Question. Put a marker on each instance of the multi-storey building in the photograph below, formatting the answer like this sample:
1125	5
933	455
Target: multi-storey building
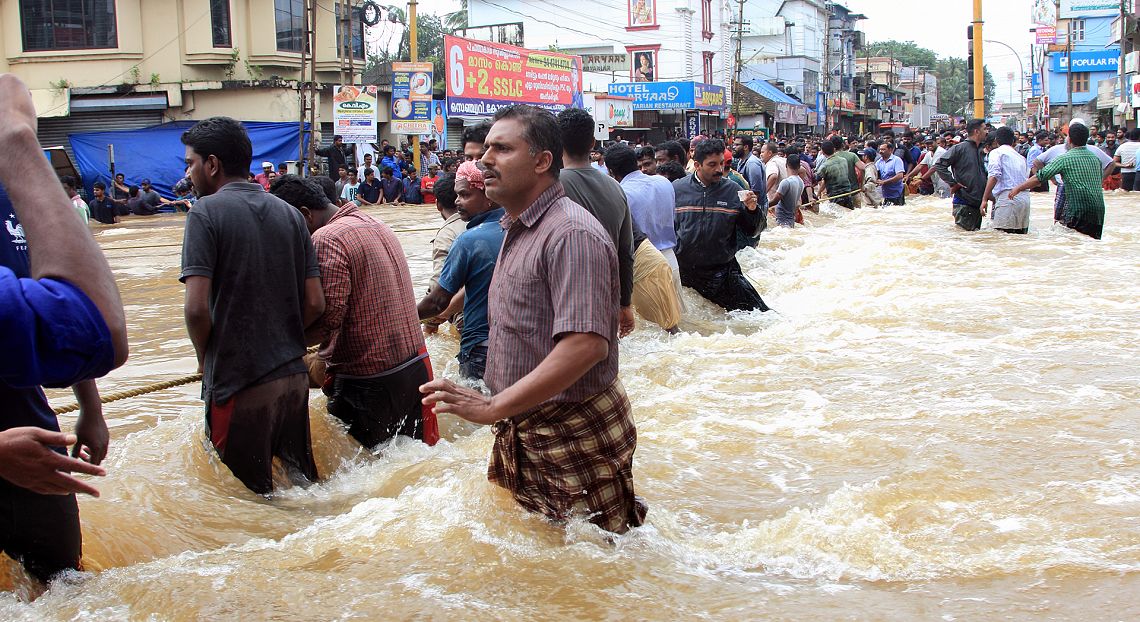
673	57
125	64
1082	57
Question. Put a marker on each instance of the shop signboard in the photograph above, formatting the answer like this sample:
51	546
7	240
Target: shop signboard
1101	60
411	98
354	113
483	76
671	95
692	125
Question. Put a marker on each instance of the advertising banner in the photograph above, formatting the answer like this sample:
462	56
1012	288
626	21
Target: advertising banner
411	98
1035	85
759	135
615	112
1044	13
1106	60
483	76
1046	35
605	63
671	95
791	113
354	113
1090	8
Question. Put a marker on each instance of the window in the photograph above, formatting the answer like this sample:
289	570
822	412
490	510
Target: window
1081	82
68	24
290	20
220	23
707	57
356	27
706	19
1078	29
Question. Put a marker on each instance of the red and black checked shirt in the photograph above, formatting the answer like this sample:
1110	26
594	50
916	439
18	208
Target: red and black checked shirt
557	273
370	323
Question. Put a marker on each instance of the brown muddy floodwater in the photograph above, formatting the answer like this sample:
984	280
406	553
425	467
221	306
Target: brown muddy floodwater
934	425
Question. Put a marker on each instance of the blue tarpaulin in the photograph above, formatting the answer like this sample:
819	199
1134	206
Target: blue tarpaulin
157	153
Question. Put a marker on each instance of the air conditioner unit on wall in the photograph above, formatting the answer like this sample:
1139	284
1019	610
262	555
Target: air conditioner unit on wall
790	90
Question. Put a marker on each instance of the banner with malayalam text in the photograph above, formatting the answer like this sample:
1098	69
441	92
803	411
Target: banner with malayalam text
354	113
483	76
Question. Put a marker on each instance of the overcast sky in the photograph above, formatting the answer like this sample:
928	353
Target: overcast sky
939	25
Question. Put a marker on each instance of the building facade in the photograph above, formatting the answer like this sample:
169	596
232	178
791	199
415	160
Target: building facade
125	64
1083	56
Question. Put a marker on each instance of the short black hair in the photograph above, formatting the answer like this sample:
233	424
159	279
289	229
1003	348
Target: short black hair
746	140
225	139
476	133
98	186
1078	134
793	161
368	172
1134	134
828	148
840	144
1003	135
646	152
671	170
706	148
675	150
340	166
300	192
352	170
540	130
387	147
684	142
621	160
444	190
327	185
577	127
133	191
368	155
388	169
973	124
337	137
69	181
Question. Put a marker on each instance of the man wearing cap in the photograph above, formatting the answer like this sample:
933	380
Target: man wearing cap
469	265
263	177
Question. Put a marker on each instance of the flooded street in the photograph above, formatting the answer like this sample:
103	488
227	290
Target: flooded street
933	425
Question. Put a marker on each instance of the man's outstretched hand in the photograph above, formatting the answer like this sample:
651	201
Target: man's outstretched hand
27	460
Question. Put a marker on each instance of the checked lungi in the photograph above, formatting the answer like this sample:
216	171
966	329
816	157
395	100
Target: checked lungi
567	460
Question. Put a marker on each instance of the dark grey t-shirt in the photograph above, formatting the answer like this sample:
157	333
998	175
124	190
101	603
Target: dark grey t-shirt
256	250
603	197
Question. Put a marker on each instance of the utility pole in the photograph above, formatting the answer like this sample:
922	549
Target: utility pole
1123	30
413	49
979	64
307	88
739	64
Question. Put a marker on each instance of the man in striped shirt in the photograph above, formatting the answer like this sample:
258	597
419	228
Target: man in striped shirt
564	433
1082	172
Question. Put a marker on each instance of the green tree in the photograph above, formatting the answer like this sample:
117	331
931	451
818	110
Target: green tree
458	19
429	44
953	88
907	52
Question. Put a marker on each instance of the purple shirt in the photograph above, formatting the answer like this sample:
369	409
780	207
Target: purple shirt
557	273
887	169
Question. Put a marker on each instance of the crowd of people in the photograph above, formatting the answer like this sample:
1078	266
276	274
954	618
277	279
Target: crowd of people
547	248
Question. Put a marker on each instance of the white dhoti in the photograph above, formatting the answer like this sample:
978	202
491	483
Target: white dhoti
1010	214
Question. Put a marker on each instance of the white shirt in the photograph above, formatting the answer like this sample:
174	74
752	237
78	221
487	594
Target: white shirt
1127	153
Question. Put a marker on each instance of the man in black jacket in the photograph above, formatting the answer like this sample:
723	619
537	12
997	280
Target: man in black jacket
335	155
708	214
964	168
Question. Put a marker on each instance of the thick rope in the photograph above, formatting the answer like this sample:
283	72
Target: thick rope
107	398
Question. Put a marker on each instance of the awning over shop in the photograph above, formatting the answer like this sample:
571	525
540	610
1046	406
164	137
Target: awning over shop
761	96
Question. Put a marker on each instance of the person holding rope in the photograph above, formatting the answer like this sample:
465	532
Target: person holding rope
369	334
63	323
252	288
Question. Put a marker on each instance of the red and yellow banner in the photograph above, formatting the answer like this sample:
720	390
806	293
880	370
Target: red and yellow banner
483	76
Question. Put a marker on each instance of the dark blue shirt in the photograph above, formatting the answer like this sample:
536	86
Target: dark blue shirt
103	210
470	263
392	188
52	334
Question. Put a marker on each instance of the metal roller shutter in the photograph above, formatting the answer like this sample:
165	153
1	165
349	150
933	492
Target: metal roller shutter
455	135
53	131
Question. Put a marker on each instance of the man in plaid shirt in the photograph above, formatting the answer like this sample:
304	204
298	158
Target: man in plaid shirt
369	333
1082	172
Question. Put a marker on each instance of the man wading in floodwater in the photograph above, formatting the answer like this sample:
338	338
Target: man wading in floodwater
564	434
252	286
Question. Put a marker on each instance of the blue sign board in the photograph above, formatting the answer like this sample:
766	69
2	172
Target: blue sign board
1036	85
820	109
1104	60
671	95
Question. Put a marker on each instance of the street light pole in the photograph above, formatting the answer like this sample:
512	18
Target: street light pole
413	49
979	64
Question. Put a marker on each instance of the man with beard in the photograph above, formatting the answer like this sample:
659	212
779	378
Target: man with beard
564	432
708	215
750	166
